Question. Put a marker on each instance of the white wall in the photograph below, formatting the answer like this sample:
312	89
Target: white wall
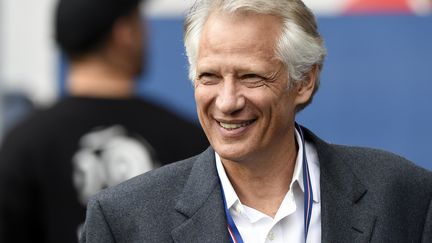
27	54
175	8
1	105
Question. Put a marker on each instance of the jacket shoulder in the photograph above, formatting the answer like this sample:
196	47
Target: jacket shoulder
387	175
376	168
161	182
379	162
141	205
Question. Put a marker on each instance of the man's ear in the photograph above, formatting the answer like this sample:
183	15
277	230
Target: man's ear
122	32
305	89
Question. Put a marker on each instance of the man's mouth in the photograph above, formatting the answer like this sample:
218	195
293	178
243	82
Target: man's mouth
232	126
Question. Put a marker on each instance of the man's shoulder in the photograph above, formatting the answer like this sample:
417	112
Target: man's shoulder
154	187
364	159
38	123
380	167
146	203
374	167
377	159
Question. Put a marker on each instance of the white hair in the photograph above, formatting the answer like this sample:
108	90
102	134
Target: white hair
300	46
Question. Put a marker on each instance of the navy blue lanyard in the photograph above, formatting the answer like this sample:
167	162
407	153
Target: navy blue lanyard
308	199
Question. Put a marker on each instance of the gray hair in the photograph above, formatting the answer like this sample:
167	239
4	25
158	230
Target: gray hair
300	46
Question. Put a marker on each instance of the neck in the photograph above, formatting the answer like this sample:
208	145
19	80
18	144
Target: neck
263	185
92	78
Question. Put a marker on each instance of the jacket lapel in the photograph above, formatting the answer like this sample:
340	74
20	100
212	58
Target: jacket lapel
345	216
201	204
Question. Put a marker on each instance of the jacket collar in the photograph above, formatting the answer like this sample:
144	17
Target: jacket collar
201	204
344	214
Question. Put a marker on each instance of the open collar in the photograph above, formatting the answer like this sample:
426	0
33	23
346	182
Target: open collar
344	218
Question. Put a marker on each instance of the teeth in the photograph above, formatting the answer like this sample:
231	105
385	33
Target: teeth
234	126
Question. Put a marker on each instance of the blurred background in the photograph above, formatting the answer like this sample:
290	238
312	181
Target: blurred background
376	87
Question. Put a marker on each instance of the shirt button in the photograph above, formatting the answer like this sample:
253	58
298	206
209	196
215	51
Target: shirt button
271	236
238	208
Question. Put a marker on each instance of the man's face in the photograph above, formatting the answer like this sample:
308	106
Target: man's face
243	102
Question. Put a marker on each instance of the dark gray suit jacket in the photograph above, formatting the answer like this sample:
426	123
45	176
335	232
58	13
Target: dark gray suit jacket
366	196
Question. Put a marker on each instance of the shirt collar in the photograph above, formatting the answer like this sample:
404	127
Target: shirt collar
314	170
313	164
298	168
230	194
311	154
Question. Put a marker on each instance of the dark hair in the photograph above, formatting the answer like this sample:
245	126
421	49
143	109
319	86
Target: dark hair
82	26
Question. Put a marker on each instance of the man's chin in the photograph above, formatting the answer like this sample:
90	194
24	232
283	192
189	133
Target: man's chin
230	153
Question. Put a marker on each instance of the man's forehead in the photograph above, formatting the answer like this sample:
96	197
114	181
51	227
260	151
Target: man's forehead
239	64
260	21
236	32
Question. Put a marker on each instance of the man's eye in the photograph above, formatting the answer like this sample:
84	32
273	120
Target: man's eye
208	78
253	80
252	77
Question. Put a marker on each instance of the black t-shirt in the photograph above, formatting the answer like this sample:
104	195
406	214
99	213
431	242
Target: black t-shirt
53	161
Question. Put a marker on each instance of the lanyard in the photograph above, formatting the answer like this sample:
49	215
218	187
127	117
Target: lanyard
308	199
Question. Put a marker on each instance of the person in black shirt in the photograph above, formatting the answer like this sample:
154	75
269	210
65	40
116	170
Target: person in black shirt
95	137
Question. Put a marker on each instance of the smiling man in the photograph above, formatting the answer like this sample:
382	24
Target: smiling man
254	65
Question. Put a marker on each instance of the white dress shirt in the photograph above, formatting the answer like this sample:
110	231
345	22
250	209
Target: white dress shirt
288	223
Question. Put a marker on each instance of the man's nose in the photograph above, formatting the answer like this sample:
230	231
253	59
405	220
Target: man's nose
230	98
